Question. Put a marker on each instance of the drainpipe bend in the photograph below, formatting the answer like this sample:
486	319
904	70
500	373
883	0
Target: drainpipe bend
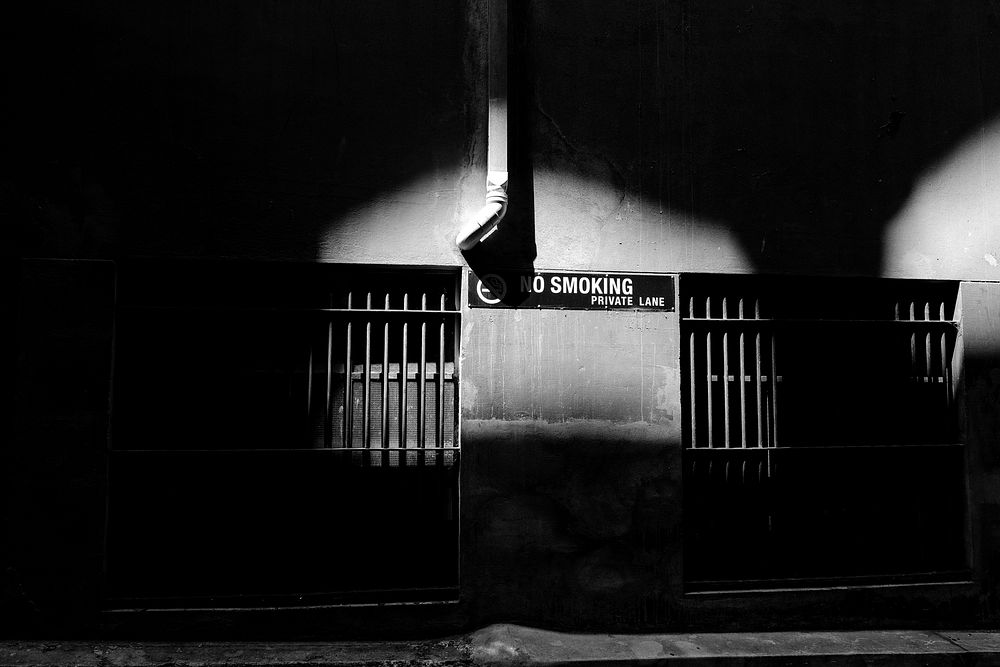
484	222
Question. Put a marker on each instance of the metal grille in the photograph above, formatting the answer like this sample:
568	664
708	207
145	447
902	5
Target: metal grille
303	361
393	418
282	433
811	409
736	374
732	362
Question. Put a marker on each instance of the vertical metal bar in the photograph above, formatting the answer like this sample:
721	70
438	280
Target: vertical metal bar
742	385
366	408
927	398
348	384
760	407
708	384
914	377
694	385
928	362
422	383
439	412
691	307
403	380
725	375
708	376
945	369
385	385
309	382
328	414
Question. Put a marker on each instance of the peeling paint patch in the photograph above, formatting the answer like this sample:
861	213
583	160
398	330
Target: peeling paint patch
990	259
469	396
665	398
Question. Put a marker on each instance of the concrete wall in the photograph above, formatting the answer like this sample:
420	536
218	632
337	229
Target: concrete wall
571	487
340	131
53	475
847	139
650	135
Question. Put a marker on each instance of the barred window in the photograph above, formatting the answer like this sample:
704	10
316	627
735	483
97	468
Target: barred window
821	433
283	432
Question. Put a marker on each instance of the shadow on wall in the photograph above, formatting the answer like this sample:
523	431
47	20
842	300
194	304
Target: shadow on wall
800	130
235	128
355	131
571	524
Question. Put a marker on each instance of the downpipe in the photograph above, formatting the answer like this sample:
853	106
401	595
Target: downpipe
486	220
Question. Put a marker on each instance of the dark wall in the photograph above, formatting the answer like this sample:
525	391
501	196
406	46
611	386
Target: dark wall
53	477
849	138
650	135
734	136
236	129
981	371
573	486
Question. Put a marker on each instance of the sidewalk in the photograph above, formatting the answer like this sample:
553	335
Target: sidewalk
500	645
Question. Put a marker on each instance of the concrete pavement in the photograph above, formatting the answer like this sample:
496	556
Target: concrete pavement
503	644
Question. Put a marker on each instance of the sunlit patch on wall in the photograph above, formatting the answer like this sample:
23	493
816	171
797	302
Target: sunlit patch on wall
950	227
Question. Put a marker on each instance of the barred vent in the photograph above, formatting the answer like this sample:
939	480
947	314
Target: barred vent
410	418
821	433
283	434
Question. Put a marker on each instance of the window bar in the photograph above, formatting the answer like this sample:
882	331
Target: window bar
742	385
422	384
366	409
710	431
328	418
928	362
348	384
694	386
403	380
760	406
439	412
725	375
914	377
945	369
708	384
385	387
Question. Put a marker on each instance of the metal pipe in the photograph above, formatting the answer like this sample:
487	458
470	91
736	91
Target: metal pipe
484	222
